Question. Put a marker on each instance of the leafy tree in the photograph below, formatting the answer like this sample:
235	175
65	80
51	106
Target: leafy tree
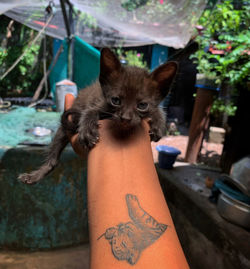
23	79
224	48
132	58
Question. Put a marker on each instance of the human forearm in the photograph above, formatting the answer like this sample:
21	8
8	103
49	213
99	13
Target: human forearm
123	187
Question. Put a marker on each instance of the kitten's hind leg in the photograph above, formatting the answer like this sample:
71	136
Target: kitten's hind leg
150	229
141	218
57	145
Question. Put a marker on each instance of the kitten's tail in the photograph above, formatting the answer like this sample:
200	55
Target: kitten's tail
56	147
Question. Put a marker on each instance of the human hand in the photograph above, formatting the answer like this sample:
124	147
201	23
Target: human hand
107	132
68	102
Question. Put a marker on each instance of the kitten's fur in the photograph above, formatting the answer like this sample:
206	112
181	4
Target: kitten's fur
121	94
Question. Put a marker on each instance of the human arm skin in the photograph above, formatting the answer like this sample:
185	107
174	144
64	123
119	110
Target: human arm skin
122	173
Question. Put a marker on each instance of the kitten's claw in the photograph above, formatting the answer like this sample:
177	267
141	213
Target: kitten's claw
28	178
155	136
89	139
96	140
132	200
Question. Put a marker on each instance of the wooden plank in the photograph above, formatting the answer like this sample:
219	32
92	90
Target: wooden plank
199	123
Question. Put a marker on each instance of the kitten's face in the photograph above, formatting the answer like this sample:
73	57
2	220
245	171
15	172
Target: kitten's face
131	92
125	241
130	96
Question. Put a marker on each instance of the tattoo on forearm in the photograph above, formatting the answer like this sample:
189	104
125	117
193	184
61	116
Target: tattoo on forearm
128	239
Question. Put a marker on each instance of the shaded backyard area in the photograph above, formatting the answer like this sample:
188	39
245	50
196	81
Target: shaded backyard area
207	239
202	231
45	226
209	155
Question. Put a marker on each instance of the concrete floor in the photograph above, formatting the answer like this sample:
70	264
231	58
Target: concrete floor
69	258
208	240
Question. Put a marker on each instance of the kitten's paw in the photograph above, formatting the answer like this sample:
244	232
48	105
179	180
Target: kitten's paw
28	178
156	132
89	138
155	135
132	200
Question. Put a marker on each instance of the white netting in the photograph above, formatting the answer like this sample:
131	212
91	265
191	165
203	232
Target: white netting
116	22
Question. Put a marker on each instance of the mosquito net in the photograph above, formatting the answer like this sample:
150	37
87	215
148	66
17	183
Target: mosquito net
114	22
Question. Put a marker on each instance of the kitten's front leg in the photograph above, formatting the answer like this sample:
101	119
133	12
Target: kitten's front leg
88	128
157	125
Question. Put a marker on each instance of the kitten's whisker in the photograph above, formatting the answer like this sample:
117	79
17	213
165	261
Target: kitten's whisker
100	236
106	112
114	116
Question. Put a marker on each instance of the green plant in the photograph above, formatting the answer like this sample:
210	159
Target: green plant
224	48
220	106
226	30
135	59
21	80
132	58
84	19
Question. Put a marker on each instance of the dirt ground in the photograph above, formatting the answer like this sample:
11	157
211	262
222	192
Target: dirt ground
210	152
66	258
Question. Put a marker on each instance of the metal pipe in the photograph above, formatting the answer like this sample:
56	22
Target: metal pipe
66	21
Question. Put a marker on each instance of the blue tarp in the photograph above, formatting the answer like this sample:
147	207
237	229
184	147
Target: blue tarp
86	64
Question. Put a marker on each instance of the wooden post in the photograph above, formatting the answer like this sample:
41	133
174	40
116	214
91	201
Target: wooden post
199	123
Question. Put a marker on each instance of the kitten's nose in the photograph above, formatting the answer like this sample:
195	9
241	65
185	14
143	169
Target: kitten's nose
126	119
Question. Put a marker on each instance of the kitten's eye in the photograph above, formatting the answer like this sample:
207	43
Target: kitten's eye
142	106
115	101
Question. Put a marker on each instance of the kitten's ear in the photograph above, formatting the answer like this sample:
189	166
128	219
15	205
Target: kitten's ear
164	76
109	65
110	233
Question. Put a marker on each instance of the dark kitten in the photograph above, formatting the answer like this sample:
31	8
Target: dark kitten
126	95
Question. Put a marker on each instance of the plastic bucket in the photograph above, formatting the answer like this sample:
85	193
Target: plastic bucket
167	156
62	88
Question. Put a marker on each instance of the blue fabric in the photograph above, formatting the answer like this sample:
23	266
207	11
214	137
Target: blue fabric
86	63
60	70
207	87
159	56
14	126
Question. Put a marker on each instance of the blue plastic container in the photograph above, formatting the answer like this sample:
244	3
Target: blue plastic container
167	156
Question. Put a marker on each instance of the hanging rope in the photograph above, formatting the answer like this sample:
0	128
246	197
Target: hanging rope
44	73
45	77
28	47
40	86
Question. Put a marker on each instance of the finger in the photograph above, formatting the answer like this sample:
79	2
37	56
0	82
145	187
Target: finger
77	147
68	101
146	123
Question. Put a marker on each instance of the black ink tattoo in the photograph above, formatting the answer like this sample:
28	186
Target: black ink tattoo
128	239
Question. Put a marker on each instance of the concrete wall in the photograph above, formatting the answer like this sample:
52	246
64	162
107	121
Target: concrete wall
53	213
50	214
207	239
